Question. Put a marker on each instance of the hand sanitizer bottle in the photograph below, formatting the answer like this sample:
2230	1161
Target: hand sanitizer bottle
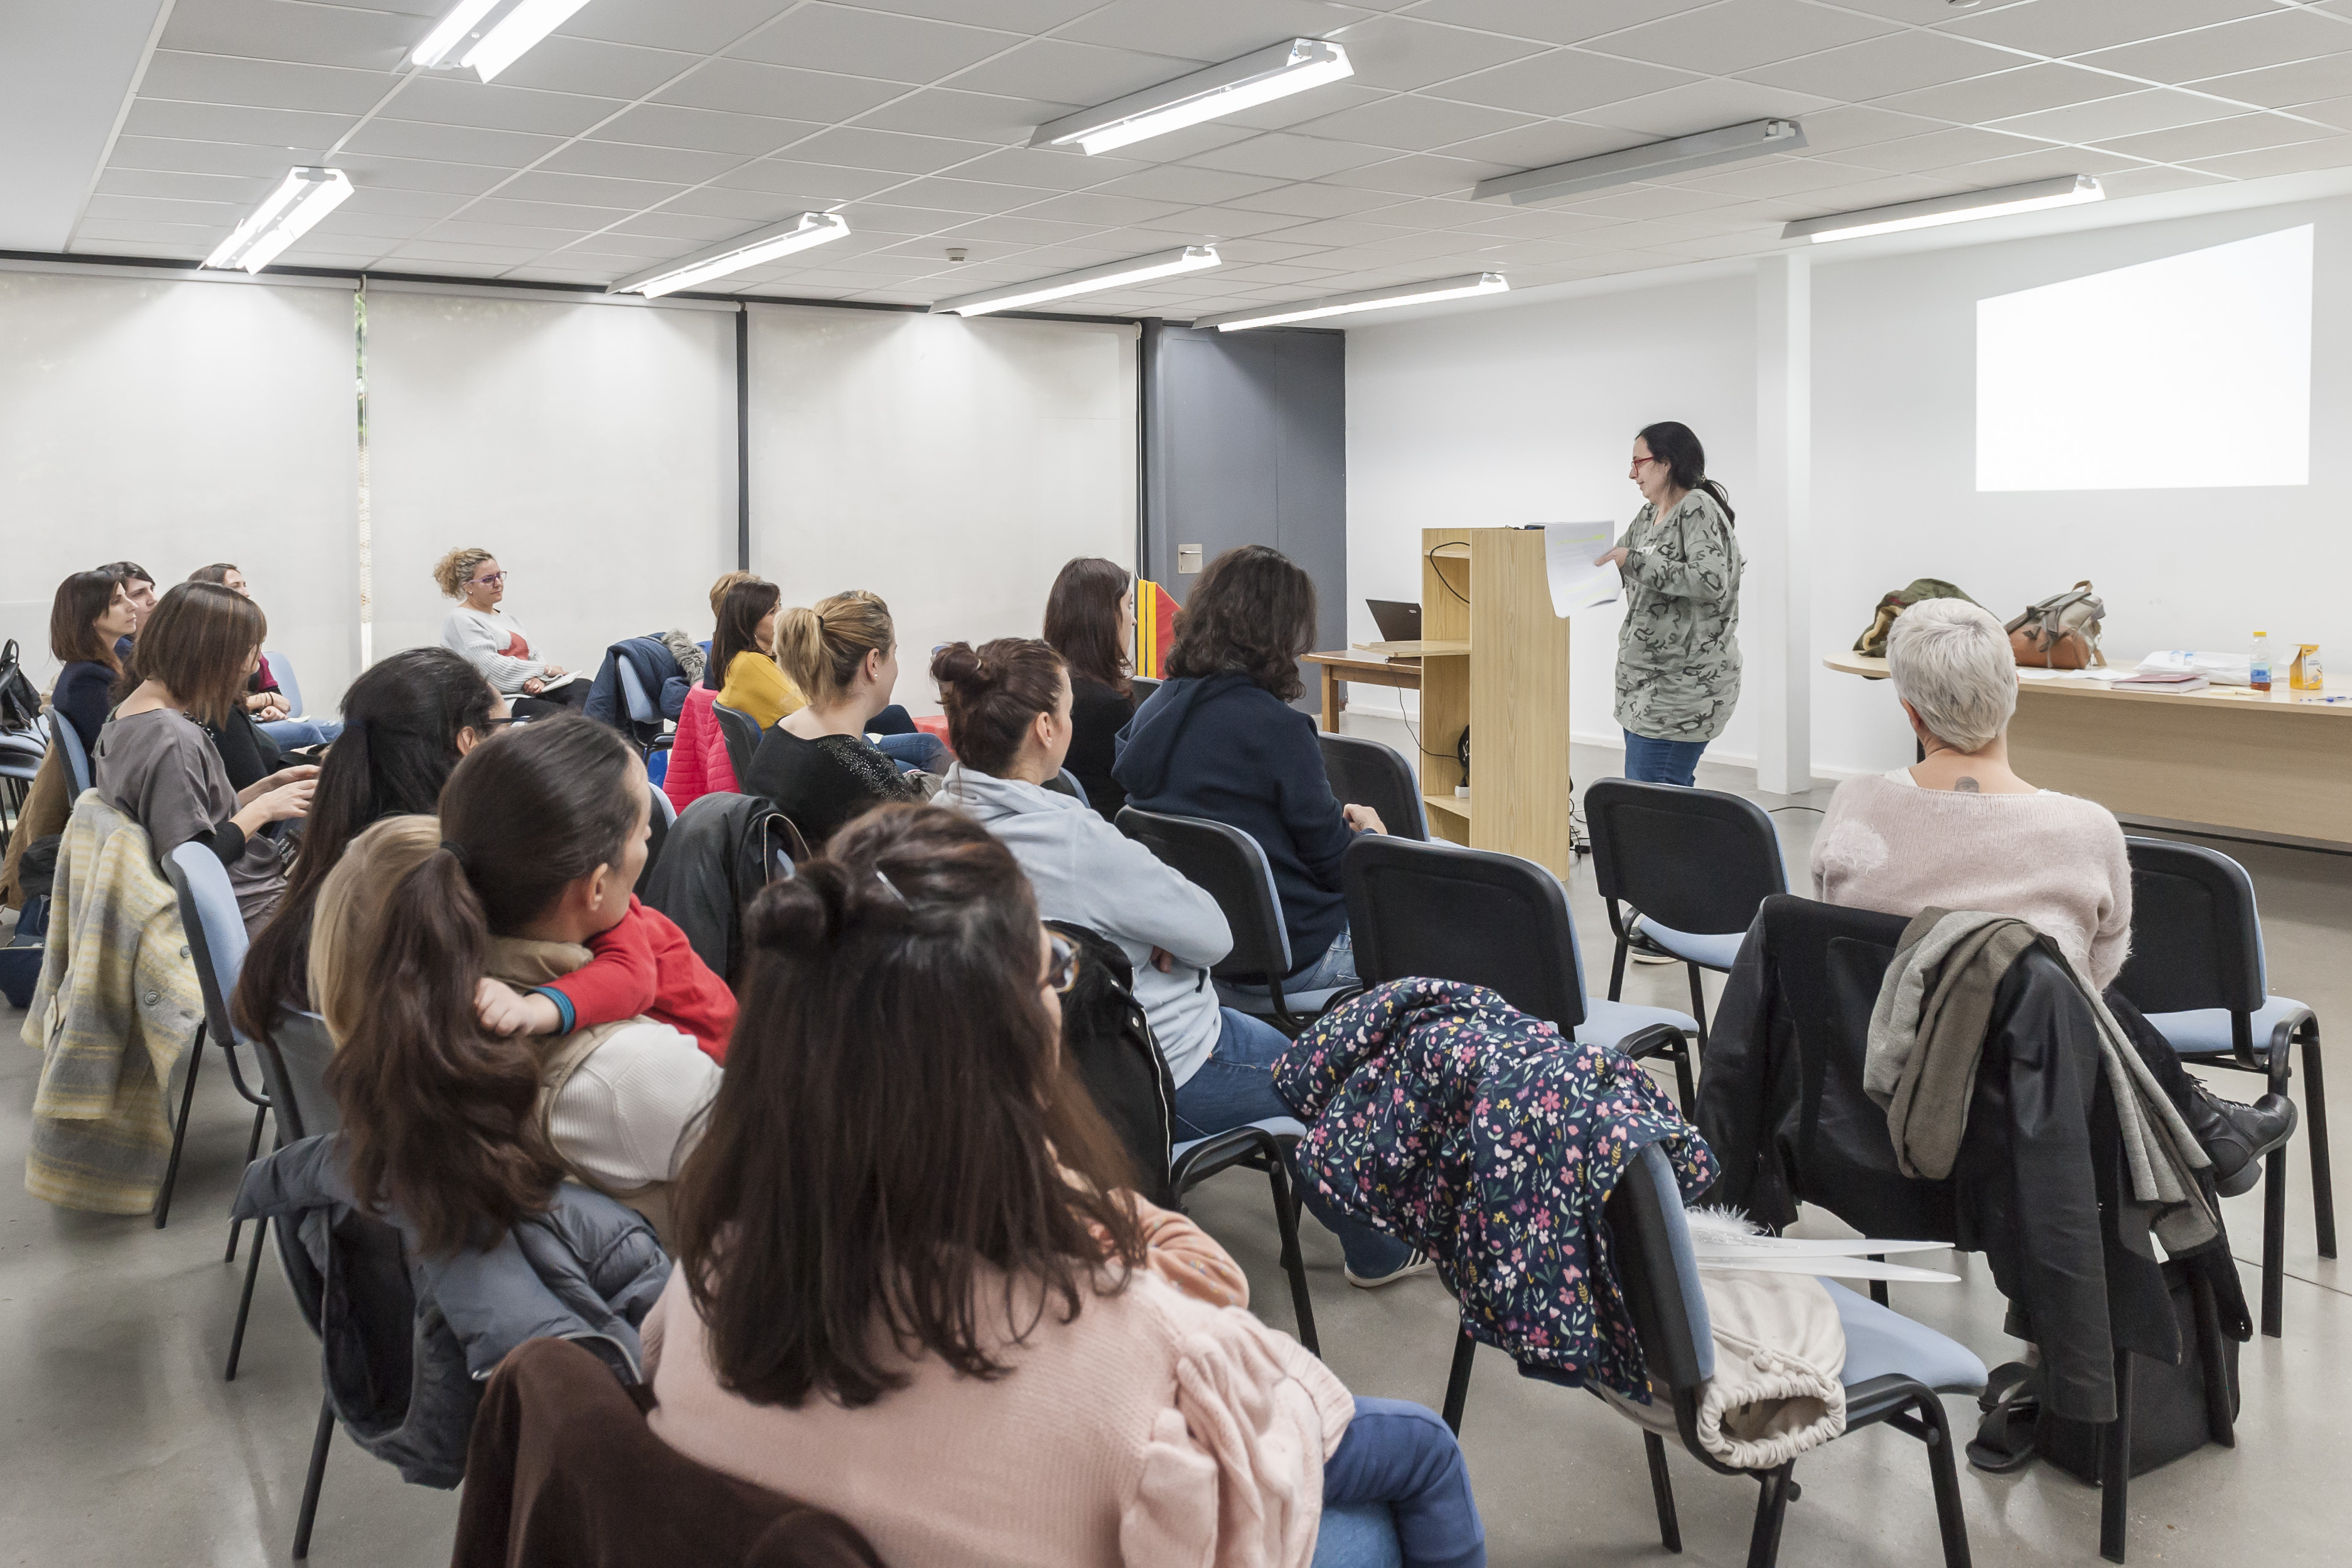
2259	673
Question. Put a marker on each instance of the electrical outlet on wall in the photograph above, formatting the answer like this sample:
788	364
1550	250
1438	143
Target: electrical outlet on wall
1188	560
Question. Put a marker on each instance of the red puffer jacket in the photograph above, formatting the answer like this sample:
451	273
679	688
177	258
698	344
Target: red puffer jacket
698	764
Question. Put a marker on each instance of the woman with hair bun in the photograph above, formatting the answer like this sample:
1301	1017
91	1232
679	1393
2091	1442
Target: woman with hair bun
943	1315
817	764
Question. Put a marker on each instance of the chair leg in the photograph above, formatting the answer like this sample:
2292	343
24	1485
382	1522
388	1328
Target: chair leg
1772	1509
252	1152
180	1129
1617	971
1698	1003
2314	1133
1951	1519
1662	1492
1878	1287
2274	1242
244	1301
2115	1467
1457	1379
311	1482
1294	1262
1684	1093
2219	1419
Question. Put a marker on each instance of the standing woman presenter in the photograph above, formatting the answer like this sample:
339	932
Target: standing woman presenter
1678	650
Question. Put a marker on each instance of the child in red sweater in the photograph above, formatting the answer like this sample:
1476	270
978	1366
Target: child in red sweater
642	967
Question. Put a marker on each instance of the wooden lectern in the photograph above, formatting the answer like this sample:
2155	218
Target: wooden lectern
1495	659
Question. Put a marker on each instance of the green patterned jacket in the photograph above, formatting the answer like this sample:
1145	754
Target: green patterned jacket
1678	650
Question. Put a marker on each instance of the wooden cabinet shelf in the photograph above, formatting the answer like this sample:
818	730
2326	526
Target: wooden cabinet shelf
1452	804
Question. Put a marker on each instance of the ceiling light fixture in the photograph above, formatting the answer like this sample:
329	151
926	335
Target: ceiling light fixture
1651	161
1092	280
734	255
1259	77
285	215
499	46
1467	284
2065	191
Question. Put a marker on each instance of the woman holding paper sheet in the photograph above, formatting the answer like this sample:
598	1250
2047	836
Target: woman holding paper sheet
1678	649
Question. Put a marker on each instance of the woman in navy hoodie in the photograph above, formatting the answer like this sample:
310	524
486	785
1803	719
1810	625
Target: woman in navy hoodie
1220	740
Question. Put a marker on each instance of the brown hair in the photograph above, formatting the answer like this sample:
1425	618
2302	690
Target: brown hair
130	571
1252	613
455	570
400	722
740	613
992	694
199	644
821	648
440	1119
957	1169
728	580
73	619
1082	621
216	573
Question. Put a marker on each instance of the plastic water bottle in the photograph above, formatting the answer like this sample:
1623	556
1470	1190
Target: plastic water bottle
2258	675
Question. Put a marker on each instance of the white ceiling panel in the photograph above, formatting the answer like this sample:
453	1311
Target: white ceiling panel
2249	44
1402	53
1552	21
2241	133
1278	152
261	83
703	130
677	165
748	86
292	130
450	144
1565	81
705	27
597	70
975	116
1741	35
1892	62
496	106
2060	27
2280	86
371	39
2156	108
826	37
1067	72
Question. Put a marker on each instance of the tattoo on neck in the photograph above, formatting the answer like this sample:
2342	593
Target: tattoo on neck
1966	786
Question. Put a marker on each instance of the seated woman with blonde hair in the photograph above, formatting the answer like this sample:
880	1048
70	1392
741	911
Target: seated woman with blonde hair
1960	830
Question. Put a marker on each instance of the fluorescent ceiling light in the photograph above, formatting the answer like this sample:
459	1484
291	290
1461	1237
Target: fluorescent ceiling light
451	32
499	46
734	255
1093	280
2065	191
1468	283
1651	161
1255	78
285	215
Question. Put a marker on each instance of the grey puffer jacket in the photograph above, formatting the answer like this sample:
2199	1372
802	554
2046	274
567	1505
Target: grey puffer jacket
1678	649
408	1340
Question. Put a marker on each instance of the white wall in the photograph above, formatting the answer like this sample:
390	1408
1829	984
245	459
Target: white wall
175	424
950	466
1529	415
591	448
1523	413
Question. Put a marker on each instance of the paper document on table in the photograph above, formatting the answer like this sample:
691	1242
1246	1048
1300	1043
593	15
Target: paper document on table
1577	583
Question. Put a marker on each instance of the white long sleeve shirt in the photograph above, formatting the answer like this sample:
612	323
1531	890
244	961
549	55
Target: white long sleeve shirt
494	643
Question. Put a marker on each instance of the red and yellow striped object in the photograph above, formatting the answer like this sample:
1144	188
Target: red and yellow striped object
1155	626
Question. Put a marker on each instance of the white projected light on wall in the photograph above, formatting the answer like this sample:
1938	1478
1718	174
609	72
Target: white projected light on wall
2193	371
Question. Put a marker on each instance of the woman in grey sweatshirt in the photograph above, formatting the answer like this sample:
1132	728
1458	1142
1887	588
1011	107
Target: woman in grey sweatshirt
1008	707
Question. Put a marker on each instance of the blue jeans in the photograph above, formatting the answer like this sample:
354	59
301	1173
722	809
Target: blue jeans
1662	762
1336	968
1401	1453
291	732
1234	1088
916	752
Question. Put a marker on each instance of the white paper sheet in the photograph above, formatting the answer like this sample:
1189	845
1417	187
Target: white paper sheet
1576	582
1834	1268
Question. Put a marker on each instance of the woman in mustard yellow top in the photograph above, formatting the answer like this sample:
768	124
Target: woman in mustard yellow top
750	680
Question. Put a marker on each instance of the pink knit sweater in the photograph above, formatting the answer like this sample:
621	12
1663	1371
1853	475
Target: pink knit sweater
1153	1428
2052	860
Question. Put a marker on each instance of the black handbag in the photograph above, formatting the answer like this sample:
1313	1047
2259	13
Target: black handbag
20	702
2174	1410
1106	1037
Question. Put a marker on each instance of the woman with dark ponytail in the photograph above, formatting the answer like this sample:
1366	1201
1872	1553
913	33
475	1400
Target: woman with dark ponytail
914	1288
541	836
407	721
1678	647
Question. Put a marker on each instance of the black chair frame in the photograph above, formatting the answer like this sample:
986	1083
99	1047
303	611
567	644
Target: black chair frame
742	734
1262	1150
215	1025
1366	772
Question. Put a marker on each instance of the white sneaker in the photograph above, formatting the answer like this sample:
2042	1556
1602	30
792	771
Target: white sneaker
1415	1262
1643	949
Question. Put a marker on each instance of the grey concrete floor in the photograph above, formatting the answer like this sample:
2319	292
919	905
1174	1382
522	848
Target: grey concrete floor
123	1446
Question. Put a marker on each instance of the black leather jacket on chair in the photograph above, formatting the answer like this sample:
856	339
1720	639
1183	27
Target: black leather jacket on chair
1781	1104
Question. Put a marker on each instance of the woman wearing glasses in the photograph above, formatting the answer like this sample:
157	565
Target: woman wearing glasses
1678	649
494	642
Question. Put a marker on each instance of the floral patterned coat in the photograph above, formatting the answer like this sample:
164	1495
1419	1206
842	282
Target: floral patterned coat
1678	648
1444	1116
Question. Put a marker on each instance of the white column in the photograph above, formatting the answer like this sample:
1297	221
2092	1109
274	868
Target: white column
1776	528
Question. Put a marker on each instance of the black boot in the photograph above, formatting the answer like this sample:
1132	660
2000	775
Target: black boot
2237	1136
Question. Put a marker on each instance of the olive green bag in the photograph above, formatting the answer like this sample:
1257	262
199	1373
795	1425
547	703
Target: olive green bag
1873	642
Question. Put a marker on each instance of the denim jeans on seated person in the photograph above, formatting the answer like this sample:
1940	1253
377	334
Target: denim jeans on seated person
916	752
290	734
1234	1088
1401	1453
1649	760
1336	968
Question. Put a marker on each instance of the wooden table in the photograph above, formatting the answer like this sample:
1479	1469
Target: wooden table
1396	664
2277	764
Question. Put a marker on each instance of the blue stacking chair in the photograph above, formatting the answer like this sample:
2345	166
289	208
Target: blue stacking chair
68	739
2198	972
1896	1369
215	934
282	669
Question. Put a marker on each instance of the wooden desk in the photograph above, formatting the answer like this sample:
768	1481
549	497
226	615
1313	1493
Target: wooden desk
1376	665
2269	763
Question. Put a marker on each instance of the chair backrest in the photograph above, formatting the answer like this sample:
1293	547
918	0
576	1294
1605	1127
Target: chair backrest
1695	860
215	932
2196	938
1649	1242
632	693
1449	913
68	740
282	669
1366	772
294	1058
1143	686
742	732
1231	868
665	807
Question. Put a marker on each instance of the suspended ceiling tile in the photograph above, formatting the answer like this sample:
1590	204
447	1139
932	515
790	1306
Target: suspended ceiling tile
666	222
1302	108
1938	148
588	190
221	215
1646	202
503	235
801	177
1703	106
1553	21
884	217
965	196
2154	180
1565	81
595	69
2252	44
1848	125
361	39
1179	183
2336	112
877	44
449	143
2020	91
1891	63
167	154
571	216
369	171
1284	154
1021	230
1067	72
674	165
704	26
747	208
452	250
1021	15
973	116
495	106
1545	143
858	148
1101	207
2241	133
1782	178
2333	153
1210	29
1314	199
2052	164
2280	86
2066	30
1341	232
703	130
1412	124
748	86
265	84
1402	53
291	131
1740	34
2152	109
1058	169
247	189
1418	174
1220	223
